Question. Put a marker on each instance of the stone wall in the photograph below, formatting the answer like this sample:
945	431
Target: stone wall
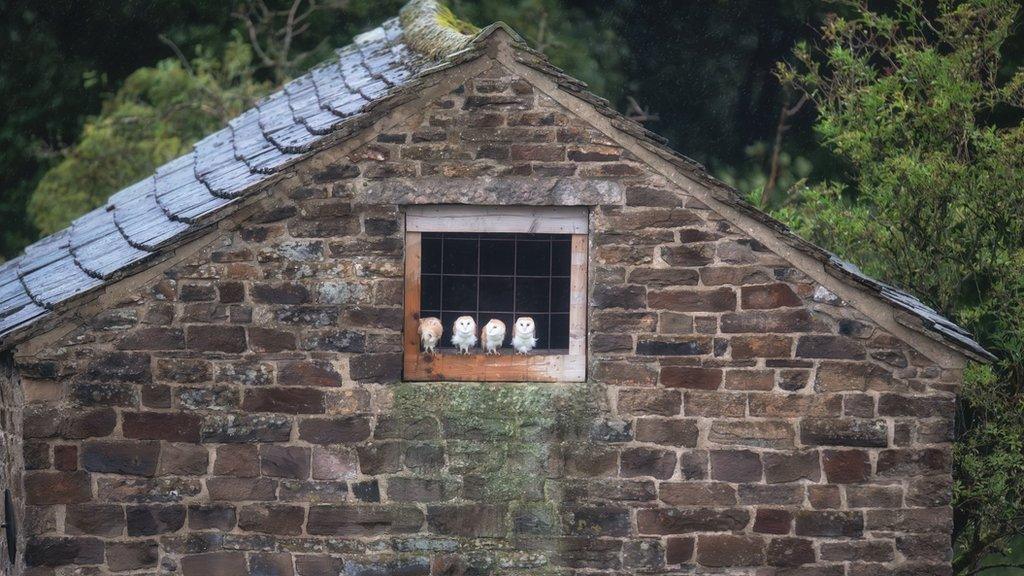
11	464
245	414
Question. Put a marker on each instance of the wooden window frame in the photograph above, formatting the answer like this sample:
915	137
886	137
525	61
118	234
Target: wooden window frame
568	367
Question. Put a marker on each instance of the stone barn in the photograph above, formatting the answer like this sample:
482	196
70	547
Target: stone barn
219	372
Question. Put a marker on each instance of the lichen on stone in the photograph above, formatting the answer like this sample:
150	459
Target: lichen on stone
501	435
430	28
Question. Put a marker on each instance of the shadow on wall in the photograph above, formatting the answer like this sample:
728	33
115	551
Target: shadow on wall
12	468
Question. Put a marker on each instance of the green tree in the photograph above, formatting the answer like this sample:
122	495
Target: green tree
584	42
909	100
154	117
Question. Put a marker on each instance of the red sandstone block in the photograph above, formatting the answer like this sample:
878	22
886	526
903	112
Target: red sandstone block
211	517
764	433
363	519
781	321
796	405
170	426
219	563
692	300
715	404
270	340
668	432
909	463
278	519
844	432
231	489
831	347
379	457
62	551
335	430
857	376
712	494
291	400
864	551
270	563
720	550
649	401
791	466
65	458
679	550
691	377
829	524
749	379
153	338
121	457
308	373
761	346
846	466
95	519
773	521
468	520
153	519
768	296
788	552
214	338
659	464
284	461
736	466
824	496
237	460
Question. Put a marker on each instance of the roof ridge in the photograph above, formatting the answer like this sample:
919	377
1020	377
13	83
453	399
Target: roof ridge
432	29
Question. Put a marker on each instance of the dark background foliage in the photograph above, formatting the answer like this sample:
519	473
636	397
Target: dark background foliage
706	71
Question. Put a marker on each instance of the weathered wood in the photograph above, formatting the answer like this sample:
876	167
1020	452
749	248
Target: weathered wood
479	367
578	296
558	366
413	265
503	219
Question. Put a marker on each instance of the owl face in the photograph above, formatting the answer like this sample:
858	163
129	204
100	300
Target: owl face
465	324
493	328
429	337
525	325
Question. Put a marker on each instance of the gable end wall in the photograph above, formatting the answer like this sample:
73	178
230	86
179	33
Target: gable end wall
243	414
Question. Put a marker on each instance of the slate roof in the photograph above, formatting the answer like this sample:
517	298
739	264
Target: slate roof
139	221
188	194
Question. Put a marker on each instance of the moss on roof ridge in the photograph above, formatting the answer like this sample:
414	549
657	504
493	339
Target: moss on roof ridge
430	28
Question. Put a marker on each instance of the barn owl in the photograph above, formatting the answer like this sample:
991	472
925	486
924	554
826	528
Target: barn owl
524	335
492	336
430	334
464	334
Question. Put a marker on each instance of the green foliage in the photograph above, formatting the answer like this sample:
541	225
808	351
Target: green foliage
751	179
156	115
990	465
571	38
907	102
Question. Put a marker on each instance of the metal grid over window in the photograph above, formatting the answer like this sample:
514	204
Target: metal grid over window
499	276
497	262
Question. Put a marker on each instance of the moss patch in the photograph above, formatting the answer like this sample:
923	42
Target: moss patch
448	19
499	436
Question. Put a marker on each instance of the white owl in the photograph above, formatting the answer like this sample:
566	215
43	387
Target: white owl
430	334
524	335
464	334
492	336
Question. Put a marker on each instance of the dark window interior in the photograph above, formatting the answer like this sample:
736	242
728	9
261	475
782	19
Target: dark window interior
501	276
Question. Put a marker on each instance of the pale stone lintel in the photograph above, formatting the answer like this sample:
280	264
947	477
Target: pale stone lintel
862	300
504	219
